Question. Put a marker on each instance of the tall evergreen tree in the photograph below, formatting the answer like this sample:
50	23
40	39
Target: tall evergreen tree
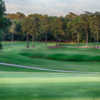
2	10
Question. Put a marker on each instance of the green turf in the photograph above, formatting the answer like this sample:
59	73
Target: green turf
49	86
16	69
70	59
25	84
63	56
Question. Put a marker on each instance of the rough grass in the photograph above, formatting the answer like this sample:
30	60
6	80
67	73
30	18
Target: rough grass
49	86
63	57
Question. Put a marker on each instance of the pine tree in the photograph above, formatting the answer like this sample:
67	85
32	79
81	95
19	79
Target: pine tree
2	10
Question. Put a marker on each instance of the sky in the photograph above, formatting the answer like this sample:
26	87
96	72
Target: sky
52	7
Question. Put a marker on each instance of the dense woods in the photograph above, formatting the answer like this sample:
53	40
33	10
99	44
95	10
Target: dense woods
75	28
71	28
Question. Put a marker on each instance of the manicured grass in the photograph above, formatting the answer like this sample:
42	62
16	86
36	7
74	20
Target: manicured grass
49	86
25	84
70	59
80	44
15	69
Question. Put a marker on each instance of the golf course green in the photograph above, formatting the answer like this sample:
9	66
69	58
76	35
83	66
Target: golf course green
63	58
31	84
49	86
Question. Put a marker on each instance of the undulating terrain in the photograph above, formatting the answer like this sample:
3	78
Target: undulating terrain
30	84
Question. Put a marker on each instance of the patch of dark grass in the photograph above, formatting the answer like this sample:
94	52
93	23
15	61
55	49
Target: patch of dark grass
73	57
35	55
62	57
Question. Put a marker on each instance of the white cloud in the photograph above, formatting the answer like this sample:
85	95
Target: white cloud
52	7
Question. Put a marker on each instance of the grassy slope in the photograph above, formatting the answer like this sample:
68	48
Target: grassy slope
49	58
15	69
49	86
43	85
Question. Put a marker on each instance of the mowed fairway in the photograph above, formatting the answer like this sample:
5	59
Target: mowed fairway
49	86
65	58
29	84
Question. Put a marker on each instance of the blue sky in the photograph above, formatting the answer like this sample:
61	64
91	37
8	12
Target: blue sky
52	7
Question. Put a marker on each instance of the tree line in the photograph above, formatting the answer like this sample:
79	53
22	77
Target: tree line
72	27
75	28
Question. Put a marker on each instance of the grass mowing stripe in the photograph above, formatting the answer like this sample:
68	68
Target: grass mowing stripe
37	88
